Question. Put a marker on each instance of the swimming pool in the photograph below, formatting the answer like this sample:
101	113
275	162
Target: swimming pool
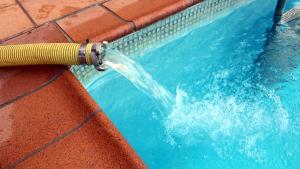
235	106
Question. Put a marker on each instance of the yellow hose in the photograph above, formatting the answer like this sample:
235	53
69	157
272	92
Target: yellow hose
47	53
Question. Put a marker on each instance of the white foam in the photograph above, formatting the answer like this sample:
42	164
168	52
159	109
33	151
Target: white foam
228	122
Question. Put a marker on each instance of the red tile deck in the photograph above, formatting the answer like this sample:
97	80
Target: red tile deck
151	10
59	125
47	10
6	3
96	24
12	80
45	34
47	118
13	20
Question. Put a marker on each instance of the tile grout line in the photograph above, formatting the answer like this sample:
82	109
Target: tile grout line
27	93
20	33
80	10
26	13
66	35
53	141
7	6
72	13
132	24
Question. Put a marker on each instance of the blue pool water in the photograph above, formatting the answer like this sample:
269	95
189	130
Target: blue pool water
237	98
291	3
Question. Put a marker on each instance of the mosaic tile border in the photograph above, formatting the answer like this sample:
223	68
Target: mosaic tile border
290	15
162	32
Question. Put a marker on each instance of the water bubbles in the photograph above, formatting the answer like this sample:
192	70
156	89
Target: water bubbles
241	119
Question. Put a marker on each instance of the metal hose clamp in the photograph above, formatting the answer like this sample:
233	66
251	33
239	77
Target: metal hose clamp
98	53
81	54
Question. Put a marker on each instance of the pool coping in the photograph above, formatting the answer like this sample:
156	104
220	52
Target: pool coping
58	30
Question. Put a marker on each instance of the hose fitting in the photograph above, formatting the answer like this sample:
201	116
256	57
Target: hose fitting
98	53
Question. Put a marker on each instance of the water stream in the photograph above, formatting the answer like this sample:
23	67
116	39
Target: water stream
135	73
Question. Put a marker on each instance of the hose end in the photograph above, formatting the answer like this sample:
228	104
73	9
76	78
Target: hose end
98	54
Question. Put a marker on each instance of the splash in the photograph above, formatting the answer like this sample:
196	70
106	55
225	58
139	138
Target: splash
231	122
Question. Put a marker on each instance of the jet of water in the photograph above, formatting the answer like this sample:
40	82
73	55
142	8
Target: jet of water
135	73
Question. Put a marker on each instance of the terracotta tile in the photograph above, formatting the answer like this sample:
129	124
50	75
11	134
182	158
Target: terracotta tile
90	147
15	81
46	10
145	12
95	23
102	1
30	123
47	33
13	20
6	3
38	118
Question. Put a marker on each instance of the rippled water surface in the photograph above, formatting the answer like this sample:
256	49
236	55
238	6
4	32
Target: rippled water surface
235	96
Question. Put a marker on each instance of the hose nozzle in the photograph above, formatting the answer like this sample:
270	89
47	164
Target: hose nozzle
98	53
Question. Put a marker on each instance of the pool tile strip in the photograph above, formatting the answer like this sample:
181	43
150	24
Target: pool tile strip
290	15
